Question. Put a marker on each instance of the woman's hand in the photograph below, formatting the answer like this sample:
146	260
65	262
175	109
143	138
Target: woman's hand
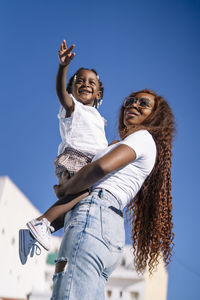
61	186
64	177
65	54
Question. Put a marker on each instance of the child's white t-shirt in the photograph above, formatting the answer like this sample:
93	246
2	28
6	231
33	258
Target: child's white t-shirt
83	130
124	183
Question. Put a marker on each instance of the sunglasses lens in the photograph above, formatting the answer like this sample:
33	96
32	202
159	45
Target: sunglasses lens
141	102
144	102
129	101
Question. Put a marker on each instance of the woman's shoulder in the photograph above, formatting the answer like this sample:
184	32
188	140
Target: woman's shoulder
141	141
140	134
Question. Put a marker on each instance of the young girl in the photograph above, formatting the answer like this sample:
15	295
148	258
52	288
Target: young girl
83	135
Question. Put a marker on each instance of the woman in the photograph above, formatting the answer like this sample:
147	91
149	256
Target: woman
134	173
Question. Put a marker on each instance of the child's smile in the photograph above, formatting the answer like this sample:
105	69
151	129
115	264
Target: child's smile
86	87
84	91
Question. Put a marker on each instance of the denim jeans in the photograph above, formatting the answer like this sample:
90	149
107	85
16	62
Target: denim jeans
92	247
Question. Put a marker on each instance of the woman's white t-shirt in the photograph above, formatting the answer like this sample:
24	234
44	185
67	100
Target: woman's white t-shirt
83	130
124	183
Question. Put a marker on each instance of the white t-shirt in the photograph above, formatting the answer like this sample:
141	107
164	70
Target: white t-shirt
124	183
83	130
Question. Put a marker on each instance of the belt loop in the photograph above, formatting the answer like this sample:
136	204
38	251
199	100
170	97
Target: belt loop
100	194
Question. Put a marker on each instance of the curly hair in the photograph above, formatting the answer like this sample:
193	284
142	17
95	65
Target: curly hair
101	88
150	212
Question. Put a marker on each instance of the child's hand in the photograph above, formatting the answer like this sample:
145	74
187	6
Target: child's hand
65	54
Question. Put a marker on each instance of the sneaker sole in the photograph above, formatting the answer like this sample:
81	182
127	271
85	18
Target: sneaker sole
22	257
34	234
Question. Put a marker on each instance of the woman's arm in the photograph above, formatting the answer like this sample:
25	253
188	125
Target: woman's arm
65	57
93	172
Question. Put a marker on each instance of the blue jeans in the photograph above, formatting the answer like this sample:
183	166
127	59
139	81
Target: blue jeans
92	247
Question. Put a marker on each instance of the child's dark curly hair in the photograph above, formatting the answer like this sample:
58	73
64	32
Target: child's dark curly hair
101	88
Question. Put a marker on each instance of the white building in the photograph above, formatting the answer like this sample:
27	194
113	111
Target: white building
33	281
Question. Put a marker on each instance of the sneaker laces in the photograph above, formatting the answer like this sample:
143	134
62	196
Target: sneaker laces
50	228
35	249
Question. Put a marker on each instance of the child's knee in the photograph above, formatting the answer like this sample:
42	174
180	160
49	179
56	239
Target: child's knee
60	266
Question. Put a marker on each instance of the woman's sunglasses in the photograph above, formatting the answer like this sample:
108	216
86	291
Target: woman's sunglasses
141	102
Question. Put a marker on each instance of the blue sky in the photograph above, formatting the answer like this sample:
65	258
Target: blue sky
132	45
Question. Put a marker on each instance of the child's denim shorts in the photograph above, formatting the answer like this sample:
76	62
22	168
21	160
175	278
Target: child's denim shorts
91	247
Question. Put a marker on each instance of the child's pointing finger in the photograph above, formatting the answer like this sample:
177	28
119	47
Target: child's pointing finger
70	49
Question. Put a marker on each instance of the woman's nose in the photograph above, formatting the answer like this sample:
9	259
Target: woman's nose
134	104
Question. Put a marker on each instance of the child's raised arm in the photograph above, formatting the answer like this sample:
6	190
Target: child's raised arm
65	57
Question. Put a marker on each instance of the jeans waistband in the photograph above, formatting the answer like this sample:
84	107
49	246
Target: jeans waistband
101	193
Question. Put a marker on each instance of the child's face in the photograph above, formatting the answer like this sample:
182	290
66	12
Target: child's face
85	87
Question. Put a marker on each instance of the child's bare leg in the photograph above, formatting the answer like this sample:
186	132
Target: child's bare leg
62	206
58	223
41	228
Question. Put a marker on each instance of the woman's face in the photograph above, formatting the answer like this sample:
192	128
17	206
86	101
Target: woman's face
138	109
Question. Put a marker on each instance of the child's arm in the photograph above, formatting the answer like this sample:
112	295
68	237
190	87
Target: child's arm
65	57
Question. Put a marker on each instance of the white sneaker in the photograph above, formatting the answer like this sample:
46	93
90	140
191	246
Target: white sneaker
41	230
26	244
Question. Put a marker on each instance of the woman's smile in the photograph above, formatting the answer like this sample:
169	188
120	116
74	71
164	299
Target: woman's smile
132	113
135	114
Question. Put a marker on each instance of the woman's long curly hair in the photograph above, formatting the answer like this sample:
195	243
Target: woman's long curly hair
150	212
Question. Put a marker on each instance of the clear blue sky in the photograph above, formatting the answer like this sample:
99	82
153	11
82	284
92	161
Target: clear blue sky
133	45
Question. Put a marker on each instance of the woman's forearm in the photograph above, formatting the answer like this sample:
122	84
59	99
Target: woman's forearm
93	172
